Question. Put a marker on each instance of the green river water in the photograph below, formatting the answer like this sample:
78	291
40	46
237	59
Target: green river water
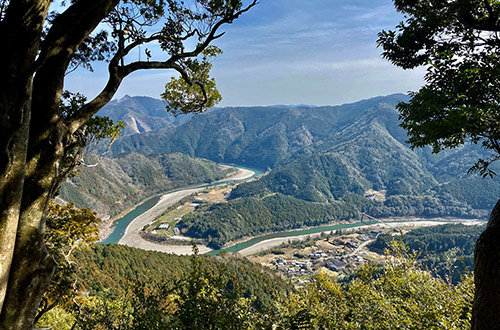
121	224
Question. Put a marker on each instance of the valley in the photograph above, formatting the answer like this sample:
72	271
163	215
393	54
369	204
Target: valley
336	186
326	166
132	236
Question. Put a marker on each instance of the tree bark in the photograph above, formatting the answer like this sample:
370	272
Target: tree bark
20	32
486	307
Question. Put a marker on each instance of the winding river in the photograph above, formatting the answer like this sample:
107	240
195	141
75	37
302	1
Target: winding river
127	228
121	224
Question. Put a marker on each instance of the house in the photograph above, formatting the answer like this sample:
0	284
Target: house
335	265
352	244
163	226
317	255
359	259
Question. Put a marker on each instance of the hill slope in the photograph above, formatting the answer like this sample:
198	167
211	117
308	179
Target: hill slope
121	182
320	155
113	269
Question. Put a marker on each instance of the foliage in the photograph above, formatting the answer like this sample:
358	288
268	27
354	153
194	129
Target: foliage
221	223
112	269
400	297
197	292
324	153
446	250
260	137
459	103
124	181
68	229
188	95
319	178
43	136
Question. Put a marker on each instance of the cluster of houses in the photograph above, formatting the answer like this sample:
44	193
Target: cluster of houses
293	268
335	260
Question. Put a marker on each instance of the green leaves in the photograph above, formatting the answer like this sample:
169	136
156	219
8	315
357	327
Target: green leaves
195	91
460	101
400	296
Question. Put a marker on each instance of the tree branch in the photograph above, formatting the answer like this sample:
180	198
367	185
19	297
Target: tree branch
118	73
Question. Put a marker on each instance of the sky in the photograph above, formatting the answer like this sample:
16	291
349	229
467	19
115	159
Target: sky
315	52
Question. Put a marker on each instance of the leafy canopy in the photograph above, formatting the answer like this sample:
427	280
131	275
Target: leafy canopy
458	41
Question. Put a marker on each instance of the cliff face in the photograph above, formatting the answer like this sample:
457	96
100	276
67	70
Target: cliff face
142	114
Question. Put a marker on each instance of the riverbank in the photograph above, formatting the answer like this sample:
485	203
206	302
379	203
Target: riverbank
391	223
132	232
108	226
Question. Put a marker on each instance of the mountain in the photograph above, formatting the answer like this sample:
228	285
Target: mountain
365	136
141	114
121	182
317	178
328	163
254	136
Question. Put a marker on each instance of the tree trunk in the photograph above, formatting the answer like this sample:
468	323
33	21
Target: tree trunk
13	160
20	32
486	307
32	267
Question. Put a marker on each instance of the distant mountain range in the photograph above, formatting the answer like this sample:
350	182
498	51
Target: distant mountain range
329	155
363	137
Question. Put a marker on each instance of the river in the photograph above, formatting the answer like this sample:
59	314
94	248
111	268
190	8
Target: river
121	224
267	241
127	228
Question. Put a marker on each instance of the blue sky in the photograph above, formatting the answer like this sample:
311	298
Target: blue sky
319	52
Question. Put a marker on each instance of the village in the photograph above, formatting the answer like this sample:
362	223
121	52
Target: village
336	254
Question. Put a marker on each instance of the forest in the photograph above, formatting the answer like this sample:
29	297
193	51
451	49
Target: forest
448	251
127	288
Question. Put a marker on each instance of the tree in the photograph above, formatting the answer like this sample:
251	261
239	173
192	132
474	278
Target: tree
68	229
201	300
397	296
41	136
460	103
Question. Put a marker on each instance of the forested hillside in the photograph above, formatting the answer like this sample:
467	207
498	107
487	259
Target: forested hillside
447	250
222	223
319	178
258	137
352	147
113	269
121	182
327	164
126	288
